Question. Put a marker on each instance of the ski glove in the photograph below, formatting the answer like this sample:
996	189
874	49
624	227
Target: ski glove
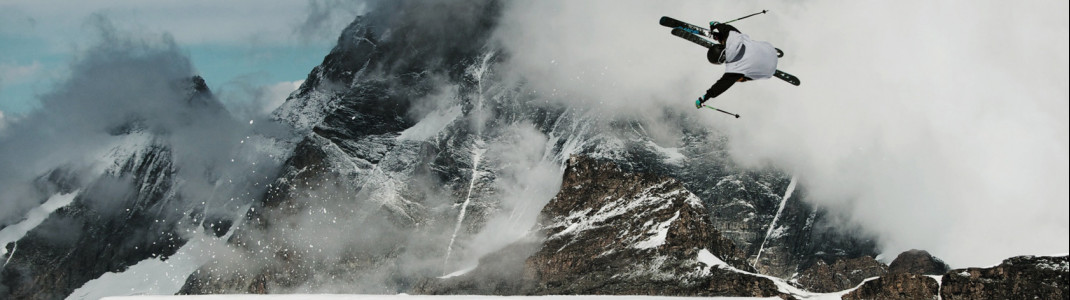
698	103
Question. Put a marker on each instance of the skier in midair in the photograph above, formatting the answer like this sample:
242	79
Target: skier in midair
744	59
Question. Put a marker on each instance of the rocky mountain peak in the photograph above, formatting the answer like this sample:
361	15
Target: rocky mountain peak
917	262
613	232
622	210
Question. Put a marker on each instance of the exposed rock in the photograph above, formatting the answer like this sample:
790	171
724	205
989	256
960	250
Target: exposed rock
1022	277
897	286
841	275
744	203
610	232
917	262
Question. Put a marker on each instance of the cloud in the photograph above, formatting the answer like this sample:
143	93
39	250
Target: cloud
326	18
194	21
527	178
924	122
121	79
249	101
11	74
942	138
614	57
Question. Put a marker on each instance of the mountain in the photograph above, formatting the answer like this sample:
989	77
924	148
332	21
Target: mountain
128	206
610	232
415	154
414	160
421	138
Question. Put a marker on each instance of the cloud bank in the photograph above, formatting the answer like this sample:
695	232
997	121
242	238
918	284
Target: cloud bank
927	123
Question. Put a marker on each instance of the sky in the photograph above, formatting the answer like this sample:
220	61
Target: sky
234	45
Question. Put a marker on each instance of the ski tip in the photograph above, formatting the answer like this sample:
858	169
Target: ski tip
665	21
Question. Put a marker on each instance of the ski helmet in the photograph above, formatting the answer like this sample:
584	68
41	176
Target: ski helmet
716	54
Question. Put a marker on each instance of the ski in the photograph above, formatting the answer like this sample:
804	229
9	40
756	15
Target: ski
687	35
688	27
786	77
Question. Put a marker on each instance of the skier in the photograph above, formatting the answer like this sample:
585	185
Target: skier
744	59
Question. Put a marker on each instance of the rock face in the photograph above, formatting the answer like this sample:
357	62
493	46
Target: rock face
1022	277
645	232
610	232
743	204
905	278
841	275
917	262
897	286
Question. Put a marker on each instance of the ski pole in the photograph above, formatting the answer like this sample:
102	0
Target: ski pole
718	109
748	16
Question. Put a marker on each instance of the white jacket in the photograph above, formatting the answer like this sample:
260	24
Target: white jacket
753	59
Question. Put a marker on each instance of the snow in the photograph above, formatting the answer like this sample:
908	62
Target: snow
130	147
155	276
410	297
710	260
304	114
459	272
772	231
579	221
1053	266
672	155
431	124
693	200
477	154
939	281
660	233
33	218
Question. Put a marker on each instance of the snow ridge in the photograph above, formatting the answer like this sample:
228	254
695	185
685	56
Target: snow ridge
33	218
772	226
477	154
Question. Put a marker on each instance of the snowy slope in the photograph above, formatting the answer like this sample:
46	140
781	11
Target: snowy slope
154	276
405	297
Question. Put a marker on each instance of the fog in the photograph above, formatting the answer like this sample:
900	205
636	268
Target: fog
125	83
936	125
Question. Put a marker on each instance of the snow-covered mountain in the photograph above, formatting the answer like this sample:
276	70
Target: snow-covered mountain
136	201
420	140
413	161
